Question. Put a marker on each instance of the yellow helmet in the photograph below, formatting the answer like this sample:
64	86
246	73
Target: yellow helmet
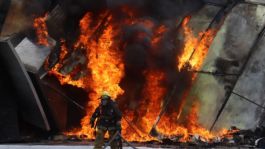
105	95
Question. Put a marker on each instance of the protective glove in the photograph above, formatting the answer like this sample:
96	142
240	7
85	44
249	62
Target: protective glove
92	122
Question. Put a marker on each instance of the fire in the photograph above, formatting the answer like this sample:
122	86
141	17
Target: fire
152	95
158	35
193	125
201	52
189	45
195	50
153	98
41	30
228	133
104	63
171	128
65	78
150	104
106	68
194	53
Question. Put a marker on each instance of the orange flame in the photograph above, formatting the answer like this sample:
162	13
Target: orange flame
65	78
195	50
228	133
158	35
106	69
105	64
151	102
170	128
41	30
193	55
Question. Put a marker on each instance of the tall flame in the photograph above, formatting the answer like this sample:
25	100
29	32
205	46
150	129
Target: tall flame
105	64
41	30
151	101
195	49
193	55
153	98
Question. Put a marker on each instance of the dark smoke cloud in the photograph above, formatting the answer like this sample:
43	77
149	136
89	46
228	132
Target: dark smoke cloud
159	9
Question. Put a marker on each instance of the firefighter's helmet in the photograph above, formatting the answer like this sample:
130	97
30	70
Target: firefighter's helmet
105	95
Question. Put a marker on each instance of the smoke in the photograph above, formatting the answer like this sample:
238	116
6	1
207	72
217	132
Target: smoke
141	56
229	51
159	9
147	35
21	14
148	42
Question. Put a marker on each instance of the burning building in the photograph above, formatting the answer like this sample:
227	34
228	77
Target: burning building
183	71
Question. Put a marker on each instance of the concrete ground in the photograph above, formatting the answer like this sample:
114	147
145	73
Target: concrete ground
55	147
22	146
47	147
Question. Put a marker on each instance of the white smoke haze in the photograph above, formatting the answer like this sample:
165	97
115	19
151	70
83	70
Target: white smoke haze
227	54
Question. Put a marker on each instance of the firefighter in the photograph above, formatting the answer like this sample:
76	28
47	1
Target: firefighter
108	119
